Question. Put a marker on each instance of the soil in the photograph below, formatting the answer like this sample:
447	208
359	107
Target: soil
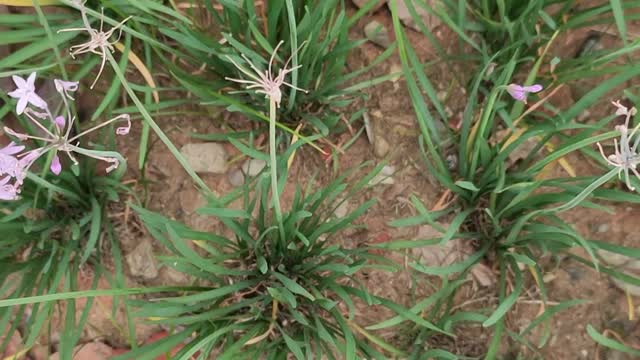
169	191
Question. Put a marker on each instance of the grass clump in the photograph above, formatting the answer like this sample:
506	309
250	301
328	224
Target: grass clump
260	293
315	36
507	202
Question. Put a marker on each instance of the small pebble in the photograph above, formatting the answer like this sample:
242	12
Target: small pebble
206	157
381	147
384	176
377	34
236	177
253	167
603	228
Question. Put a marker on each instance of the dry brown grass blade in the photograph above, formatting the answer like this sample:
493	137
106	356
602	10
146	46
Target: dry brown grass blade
274	313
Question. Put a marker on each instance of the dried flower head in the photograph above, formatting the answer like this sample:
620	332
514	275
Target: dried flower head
98	42
626	157
623	110
264	82
520	92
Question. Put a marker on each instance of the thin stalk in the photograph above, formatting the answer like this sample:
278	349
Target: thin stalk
274	166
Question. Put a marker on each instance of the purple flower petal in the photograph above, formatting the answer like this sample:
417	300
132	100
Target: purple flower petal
25	93
533	88
16	93
11	132
31	81
20	83
62	85
35	100
8	191
22	104
8	165
11	149
56	166
59	121
516	92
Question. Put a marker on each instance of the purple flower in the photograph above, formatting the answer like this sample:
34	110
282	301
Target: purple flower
26	93
59	120
11	149
9	164
56	166
54	132
520	92
8	191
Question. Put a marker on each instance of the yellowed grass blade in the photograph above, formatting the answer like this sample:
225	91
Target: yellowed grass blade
29	3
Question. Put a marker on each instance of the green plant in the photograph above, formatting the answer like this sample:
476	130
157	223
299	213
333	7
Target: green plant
257	293
54	219
318	29
512	211
47	236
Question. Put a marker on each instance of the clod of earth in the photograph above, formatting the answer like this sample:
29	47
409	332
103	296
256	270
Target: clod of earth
377	34
142	263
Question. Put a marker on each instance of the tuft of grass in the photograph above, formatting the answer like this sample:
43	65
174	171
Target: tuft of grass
315	34
513	211
48	235
260	293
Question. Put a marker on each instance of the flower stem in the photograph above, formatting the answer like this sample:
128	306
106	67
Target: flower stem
274	166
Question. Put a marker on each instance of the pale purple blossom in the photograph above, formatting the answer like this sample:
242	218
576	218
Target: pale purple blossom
9	164
54	132
8	191
60	140
264	82
11	149
56	166
26	93
520	92
59	121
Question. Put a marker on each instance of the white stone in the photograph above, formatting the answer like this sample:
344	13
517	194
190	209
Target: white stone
236	178
206	157
384	176
430	21
253	167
